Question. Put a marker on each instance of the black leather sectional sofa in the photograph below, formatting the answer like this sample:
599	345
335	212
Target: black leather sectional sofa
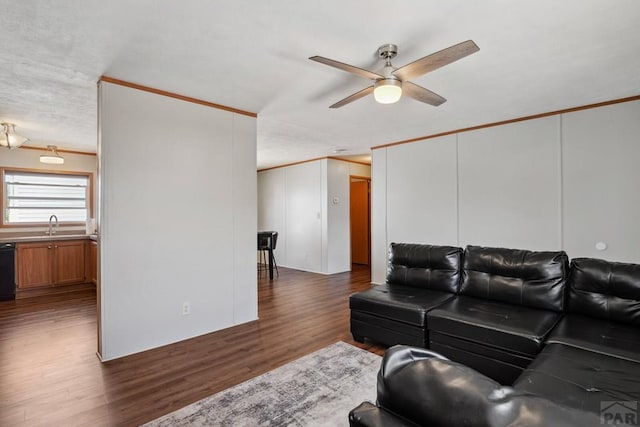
565	333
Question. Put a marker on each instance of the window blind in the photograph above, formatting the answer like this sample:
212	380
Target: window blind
32	197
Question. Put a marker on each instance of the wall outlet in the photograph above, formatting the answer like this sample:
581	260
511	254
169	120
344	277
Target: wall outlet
186	308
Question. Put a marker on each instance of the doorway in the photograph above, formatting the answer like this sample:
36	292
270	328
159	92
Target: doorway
360	219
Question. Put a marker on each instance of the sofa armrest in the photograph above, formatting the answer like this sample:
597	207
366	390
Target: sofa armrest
428	389
369	415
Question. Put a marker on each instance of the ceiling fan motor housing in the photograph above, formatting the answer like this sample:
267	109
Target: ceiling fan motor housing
388	51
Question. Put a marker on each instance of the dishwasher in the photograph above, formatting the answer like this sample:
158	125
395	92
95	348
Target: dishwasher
7	271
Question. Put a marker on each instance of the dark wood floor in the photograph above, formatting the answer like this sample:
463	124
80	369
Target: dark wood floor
50	375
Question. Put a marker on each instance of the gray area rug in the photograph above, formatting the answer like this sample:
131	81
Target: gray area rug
316	390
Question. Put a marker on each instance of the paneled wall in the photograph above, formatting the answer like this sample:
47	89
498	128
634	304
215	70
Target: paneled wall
271	208
177	219
561	182
338	254
421	206
308	204
290	202
303	216
601	182
509	185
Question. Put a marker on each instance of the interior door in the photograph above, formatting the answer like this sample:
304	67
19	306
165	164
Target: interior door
359	201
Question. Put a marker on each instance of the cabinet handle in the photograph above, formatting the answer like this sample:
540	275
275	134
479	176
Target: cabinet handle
56	246
49	247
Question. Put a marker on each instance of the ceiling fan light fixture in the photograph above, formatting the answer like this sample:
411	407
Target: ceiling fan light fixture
10	138
52	157
387	91
391	83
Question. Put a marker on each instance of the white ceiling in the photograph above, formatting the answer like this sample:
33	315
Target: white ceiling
535	56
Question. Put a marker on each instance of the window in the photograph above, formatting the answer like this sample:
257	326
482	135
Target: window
31	197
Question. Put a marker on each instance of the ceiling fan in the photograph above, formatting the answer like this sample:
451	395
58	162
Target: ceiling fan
391	83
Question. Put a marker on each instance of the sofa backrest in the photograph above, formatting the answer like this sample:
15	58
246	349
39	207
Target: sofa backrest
515	276
609	290
425	266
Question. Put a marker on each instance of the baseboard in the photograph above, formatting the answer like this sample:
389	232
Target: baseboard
54	290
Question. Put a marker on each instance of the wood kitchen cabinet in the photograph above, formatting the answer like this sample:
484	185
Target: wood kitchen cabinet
92	262
68	262
50	263
33	265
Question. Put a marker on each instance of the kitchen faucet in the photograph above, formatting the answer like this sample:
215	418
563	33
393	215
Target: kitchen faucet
51	231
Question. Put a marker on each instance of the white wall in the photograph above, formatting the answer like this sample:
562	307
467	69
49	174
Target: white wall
243	209
379	205
338	246
601	179
298	202
422	207
177	219
303	216
290	202
271	208
560	182
509	185
30	159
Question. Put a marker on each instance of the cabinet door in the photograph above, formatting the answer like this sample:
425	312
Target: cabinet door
33	262
68	262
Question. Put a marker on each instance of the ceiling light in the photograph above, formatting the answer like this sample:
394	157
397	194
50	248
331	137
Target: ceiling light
9	138
52	157
387	91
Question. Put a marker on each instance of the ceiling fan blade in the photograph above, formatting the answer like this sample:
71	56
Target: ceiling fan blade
364	92
421	94
436	60
346	67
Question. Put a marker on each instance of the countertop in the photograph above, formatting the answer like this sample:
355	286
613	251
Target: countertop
30	237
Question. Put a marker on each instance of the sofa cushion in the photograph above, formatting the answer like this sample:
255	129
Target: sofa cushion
602	336
425	266
579	378
424	388
609	290
514	276
504	326
401	303
387	332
